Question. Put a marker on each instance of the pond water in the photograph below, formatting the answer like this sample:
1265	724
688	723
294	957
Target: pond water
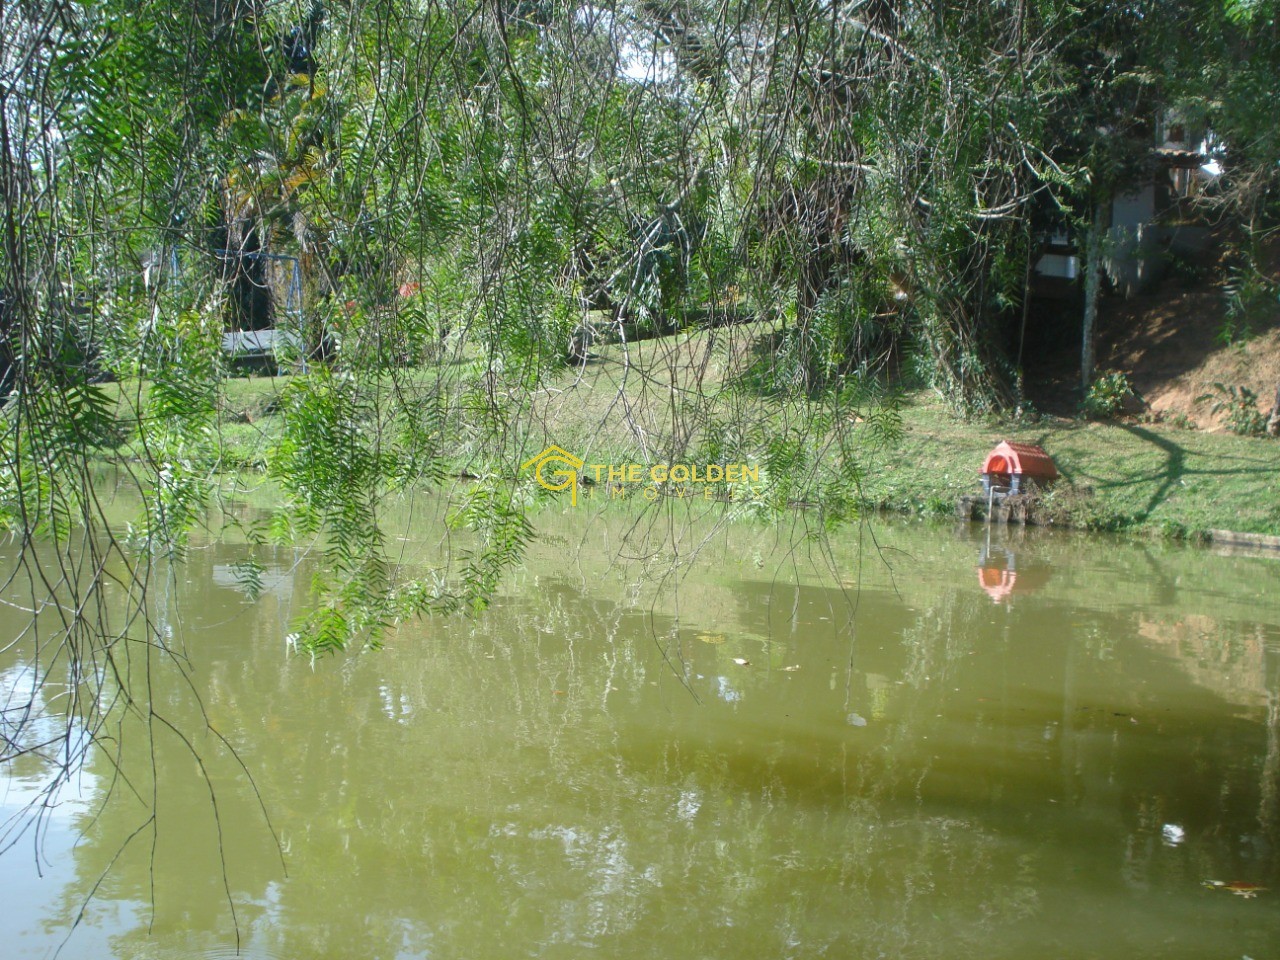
922	741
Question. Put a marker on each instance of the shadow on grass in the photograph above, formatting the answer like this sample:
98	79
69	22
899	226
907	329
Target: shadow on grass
1175	464
1175	468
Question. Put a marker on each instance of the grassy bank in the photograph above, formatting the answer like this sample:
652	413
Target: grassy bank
1117	475
692	395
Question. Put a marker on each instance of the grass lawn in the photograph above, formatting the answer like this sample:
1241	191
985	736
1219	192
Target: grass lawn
641	401
1145	476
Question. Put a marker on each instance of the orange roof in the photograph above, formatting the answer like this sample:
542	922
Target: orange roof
1020	458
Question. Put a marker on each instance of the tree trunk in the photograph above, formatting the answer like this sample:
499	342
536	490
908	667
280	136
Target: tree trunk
1092	287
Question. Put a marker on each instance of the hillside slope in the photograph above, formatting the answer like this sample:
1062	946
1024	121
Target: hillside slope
1171	346
1175	343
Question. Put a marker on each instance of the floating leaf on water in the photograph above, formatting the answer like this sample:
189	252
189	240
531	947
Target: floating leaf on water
742	662
854	720
711	637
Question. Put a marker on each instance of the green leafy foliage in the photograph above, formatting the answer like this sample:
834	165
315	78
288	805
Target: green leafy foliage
1238	407
464	189
1107	395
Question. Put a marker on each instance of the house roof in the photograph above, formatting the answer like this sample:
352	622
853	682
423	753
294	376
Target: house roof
1181	158
1025	459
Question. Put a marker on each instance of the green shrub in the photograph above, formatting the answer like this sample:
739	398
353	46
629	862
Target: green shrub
1239	409
1106	396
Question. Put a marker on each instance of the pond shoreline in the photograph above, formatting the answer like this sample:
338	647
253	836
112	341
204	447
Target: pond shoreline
1120	476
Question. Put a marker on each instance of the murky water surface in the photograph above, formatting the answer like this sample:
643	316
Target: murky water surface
967	744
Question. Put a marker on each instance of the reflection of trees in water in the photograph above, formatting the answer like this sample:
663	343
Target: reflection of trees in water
731	838
1158	782
610	826
86	722
42	778
34	730
1269	805
540	773
1240	662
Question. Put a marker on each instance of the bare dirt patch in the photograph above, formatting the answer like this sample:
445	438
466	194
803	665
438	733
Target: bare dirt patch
1170	344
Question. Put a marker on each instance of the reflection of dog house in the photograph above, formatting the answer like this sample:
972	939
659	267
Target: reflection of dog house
1011	467
1000	576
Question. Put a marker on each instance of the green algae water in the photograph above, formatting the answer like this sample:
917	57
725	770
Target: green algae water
928	742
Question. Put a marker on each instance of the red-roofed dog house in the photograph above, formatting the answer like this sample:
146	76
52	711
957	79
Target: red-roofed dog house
1010	466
